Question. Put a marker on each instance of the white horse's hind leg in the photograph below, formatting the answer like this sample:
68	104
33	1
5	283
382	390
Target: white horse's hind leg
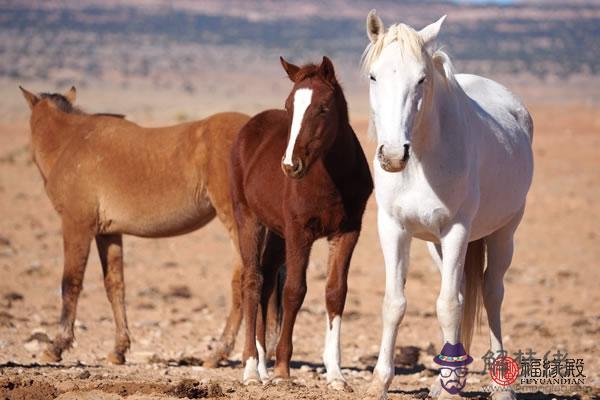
395	243
500	251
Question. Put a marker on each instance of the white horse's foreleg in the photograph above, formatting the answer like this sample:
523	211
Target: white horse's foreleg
449	303
395	243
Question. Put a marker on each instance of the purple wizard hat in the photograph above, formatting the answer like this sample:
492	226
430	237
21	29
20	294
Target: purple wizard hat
453	355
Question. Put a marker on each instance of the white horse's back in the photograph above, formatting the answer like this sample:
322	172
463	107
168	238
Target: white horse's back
497	101
506	133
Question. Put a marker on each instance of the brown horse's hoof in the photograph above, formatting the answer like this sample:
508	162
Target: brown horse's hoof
116	358
50	356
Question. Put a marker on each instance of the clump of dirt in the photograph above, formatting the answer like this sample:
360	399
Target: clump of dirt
193	389
26	389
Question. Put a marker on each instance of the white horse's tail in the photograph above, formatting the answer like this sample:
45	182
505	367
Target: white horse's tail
474	265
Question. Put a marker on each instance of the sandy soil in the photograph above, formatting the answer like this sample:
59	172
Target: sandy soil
178	290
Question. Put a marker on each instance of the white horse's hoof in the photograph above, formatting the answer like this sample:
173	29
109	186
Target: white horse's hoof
252	381
447	396
436	389
376	391
340	385
503	395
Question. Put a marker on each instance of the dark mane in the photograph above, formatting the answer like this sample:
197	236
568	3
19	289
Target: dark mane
62	103
307	71
65	105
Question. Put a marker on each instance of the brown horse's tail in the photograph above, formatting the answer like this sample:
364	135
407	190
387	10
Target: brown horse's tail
274	327
474	265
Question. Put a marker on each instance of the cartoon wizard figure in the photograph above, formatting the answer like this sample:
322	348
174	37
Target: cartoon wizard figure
453	361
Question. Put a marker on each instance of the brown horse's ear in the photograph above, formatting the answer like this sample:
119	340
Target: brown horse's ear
31	98
71	95
326	70
290	69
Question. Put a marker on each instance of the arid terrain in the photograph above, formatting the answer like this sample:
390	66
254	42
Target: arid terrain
177	291
162	62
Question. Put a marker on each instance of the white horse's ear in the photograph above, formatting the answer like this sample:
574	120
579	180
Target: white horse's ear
374	26
430	32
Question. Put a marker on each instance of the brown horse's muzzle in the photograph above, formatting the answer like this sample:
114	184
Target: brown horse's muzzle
295	171
391	161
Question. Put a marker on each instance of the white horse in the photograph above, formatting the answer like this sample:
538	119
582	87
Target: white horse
453	167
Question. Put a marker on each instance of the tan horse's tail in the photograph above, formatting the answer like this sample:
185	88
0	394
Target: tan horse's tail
474	265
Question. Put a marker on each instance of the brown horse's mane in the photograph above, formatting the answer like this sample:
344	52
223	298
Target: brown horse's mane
66	106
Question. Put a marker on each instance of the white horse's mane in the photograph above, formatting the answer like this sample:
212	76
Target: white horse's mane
410	43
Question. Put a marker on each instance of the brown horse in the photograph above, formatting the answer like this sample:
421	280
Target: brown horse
322	193
107	176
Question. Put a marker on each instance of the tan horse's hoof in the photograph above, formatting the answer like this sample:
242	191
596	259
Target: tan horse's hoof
340	385
116	358
50	356
211	362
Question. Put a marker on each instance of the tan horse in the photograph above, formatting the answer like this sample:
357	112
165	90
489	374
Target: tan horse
107	176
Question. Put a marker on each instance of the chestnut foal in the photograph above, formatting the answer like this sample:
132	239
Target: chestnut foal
322	192
107	177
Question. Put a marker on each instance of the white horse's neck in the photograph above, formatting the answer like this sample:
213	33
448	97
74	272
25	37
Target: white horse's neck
436	123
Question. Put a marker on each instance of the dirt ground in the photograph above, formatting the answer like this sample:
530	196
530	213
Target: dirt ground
178	292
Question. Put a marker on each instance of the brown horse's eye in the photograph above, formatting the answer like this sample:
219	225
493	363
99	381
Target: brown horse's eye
323	110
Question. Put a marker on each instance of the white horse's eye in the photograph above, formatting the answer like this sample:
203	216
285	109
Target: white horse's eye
422	80
372	77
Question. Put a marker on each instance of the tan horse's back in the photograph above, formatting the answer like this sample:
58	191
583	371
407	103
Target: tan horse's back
150	182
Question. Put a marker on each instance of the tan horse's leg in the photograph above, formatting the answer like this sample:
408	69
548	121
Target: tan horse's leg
110	250
234	320
76	239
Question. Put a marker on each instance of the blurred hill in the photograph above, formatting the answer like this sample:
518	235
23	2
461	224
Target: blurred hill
186	58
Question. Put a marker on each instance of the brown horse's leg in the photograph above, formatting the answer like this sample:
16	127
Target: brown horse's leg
234	320
297	252
110	250
76	241
273	256
340	252
251	238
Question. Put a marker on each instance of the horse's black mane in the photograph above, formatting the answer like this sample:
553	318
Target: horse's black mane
65	106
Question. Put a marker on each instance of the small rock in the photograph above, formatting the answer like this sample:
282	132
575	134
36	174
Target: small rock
39	336
407	356
84	375
13	296
181	291
32	347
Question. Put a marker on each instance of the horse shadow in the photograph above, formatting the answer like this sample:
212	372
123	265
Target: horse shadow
35	365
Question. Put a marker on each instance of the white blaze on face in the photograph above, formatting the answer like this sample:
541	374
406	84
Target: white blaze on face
302	99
